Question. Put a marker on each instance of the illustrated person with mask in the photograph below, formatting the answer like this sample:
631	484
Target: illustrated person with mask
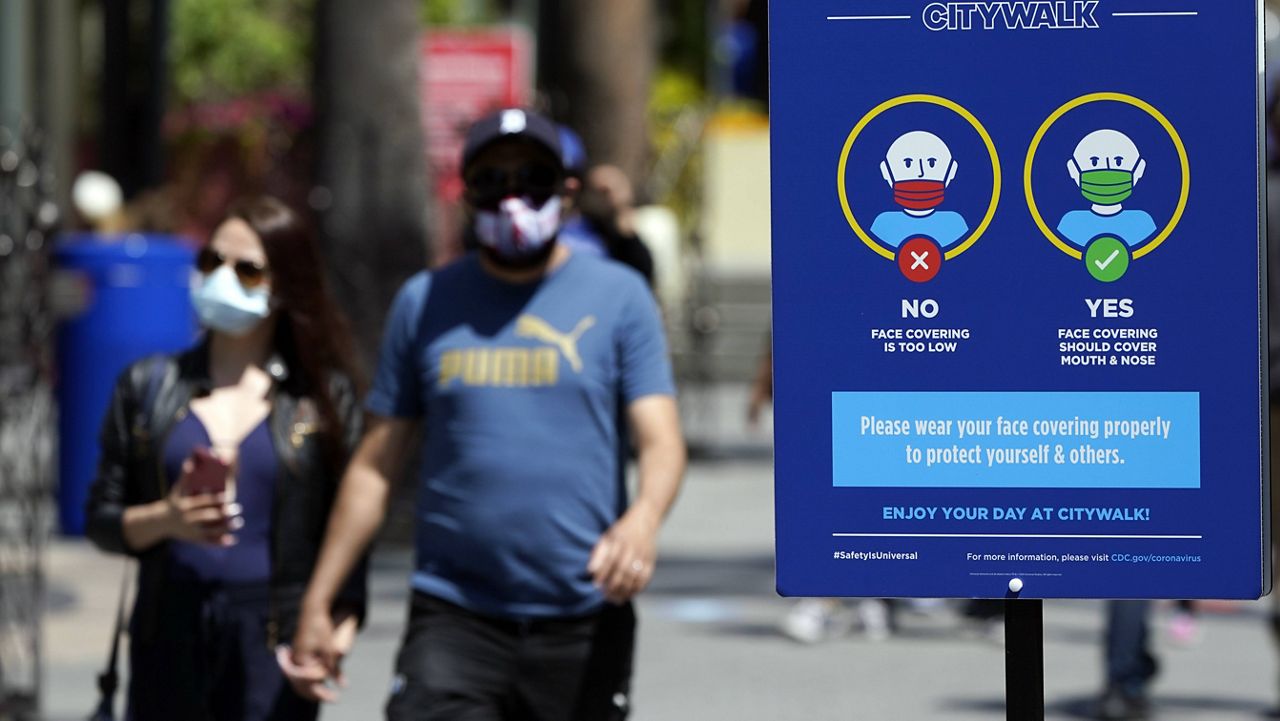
1106	166
218	469
509	367
918	167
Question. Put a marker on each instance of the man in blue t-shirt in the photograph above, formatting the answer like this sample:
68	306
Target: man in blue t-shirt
511	368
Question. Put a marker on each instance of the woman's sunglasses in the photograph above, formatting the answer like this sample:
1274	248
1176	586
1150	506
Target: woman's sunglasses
487	186
250	275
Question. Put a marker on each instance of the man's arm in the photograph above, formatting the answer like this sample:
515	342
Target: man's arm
622	561
357	513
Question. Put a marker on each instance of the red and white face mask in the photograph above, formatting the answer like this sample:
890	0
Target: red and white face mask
517	229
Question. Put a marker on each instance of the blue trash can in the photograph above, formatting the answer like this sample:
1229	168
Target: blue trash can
136	302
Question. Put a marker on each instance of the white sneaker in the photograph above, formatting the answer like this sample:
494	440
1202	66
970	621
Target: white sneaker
812	620
874	614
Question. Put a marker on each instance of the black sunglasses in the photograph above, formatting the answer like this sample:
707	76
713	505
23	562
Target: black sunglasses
487	186
250	275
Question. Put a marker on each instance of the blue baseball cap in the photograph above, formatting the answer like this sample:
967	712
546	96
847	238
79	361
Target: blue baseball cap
572	152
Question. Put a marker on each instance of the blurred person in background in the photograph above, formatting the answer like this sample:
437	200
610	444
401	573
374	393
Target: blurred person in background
607	204
811	620
600	210
574	156
1183	628
574	233
510	366
219	467
761	385
1130	663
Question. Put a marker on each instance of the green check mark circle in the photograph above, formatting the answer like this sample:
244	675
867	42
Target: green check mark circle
1107	259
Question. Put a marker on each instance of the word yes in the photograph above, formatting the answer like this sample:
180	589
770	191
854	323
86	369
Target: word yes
1110	307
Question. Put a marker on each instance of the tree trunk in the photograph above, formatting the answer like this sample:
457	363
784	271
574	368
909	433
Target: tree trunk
371	188
596	63
135	78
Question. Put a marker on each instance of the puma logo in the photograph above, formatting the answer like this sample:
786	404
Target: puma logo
531	326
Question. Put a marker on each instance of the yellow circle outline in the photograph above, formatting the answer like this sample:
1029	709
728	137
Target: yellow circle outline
933	100
1145	107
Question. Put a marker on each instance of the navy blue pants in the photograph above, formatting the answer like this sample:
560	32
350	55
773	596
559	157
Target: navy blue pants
456	665
1130	664
210	662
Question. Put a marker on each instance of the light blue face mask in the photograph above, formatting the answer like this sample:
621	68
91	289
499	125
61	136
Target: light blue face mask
223	304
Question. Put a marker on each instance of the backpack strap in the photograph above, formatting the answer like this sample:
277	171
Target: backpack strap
109	679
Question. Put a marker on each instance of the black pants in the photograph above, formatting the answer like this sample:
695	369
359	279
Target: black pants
209	661
459	666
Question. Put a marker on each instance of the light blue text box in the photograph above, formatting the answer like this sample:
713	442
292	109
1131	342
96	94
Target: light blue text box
867	455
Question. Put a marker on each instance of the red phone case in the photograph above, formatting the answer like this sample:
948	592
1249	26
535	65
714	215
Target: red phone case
209	474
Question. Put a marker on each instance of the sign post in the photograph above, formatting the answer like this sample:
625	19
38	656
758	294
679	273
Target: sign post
1024	659
1018	301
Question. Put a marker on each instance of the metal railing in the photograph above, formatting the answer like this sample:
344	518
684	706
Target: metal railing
27	415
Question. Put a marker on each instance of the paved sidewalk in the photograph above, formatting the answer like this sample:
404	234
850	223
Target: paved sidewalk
709	649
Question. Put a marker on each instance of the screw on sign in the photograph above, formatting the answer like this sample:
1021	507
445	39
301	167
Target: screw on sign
919	259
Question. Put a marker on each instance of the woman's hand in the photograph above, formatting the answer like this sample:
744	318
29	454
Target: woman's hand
202	518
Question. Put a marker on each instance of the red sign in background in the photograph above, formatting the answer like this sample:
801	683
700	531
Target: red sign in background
465	74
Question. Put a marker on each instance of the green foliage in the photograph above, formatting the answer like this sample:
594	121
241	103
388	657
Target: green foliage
674	90
221	49
685	37
677	112
458	12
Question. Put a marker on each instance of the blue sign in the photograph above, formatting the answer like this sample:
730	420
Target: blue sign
1017	274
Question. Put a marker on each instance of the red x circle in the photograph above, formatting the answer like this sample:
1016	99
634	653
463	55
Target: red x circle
919	259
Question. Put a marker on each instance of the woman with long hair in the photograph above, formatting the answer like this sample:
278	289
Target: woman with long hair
219	466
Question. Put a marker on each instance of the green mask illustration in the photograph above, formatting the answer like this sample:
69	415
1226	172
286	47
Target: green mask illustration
1106	187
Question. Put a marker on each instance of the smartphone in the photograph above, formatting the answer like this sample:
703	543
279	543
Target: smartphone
209	475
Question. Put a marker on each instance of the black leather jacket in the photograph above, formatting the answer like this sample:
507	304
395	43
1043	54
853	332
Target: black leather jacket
150	397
